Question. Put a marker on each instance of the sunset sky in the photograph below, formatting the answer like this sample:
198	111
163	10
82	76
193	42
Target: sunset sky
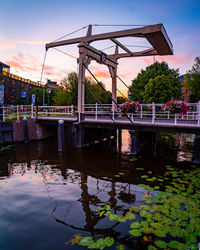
27	25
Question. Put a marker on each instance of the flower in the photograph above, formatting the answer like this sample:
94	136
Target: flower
130	107
175	107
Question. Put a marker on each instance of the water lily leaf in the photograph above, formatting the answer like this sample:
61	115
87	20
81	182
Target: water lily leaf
159	233
151	247
139	168
120	247
160	243
121	173
109	241
130	216
156	187
107	207
149	172
135	225
102	213
174	244
156	225
150	179
191	238
116	176
85	241
92	245
100	243
135	232
121	218
144	176
113	217
133	159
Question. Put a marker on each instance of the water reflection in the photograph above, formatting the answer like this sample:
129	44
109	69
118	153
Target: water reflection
47	197
74	197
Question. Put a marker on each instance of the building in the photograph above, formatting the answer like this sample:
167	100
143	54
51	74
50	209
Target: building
52	84
184	91
14	85
4	67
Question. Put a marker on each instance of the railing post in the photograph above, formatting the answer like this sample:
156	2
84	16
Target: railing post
72	109
32	116
132	117
141	111
199	113
113	111
17	112
153	113
175	119
3	115
96	111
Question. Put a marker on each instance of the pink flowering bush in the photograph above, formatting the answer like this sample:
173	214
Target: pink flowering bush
175	107
130	107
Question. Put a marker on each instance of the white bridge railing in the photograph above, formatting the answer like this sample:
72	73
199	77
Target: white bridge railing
151	113
18	112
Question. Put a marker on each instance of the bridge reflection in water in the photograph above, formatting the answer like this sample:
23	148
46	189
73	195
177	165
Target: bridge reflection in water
45	202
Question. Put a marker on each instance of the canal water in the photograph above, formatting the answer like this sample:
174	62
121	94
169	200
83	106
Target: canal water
47	197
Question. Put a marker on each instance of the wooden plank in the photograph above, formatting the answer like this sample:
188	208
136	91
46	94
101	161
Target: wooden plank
122	46
155	34
148	52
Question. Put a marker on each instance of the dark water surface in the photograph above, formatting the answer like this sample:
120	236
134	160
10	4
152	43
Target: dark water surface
47	197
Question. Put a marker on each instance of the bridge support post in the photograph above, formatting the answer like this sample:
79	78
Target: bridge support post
25	128
119	140
79	136
196	157
134	148
61	136
81	86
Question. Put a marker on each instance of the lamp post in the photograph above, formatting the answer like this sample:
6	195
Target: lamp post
48	92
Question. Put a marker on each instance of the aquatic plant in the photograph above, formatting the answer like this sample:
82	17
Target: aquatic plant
168	220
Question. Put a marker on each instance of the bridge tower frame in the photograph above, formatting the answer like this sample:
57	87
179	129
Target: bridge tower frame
154	34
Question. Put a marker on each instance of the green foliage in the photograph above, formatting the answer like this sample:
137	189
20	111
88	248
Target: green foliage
61	98
70	84
39	95
161	89
149	76
192	80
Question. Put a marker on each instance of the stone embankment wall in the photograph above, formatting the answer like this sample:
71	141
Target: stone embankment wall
18	131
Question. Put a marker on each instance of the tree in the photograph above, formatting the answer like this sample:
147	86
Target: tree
38	92
70	84
62	98
192	80
161	89
151	72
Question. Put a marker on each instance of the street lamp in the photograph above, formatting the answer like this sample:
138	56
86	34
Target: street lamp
48	92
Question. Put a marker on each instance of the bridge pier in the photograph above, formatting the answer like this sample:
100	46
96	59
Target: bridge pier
119	137
79	136
143	141
196	157
25	128
61	136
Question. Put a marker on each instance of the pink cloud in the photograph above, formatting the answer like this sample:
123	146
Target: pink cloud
6	44
32	42
177	60
32	66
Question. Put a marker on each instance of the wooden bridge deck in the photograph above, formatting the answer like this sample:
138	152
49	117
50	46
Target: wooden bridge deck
181	125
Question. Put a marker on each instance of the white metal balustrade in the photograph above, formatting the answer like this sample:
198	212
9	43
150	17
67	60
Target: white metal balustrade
149	113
